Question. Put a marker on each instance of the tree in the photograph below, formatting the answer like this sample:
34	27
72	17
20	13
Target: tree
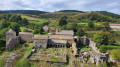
80	32
25	21
4	24
63	21
103	38
64	27
3	31
73	26
15	27
106	27
38	29
91	24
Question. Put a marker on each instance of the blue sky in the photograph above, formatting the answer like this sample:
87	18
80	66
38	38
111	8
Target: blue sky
56	5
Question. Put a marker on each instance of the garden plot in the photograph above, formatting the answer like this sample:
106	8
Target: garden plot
50	55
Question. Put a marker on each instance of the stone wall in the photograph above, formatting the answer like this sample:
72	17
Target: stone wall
99	57
57	43
74	48
40	43
12	43
93	46
83	40
33	51
24	37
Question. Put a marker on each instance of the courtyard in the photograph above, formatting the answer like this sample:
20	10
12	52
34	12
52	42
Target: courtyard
49	55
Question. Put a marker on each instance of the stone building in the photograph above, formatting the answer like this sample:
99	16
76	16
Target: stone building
64	32
26	36
52	41
11	39
10	34
64	40
40	41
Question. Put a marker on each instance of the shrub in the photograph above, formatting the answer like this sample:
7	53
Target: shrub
115	54
23	63
102	65
103	49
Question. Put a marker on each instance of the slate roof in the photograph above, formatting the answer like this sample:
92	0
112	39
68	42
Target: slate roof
62	37
25	33
40	37
65	32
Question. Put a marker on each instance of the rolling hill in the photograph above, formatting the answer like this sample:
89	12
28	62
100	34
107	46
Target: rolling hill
34	12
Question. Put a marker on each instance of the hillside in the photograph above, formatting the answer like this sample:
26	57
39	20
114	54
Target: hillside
34	12
80	16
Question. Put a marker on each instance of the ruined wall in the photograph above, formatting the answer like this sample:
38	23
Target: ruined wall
93	46
99	57
83	40
57	43
74	48
40	43
12	43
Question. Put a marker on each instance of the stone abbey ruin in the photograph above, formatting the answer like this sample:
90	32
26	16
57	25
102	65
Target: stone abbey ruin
52	48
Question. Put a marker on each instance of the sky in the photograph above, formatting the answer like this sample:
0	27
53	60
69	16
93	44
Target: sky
56	5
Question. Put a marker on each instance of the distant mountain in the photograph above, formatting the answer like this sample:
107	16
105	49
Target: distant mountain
71	11
35	12
1	12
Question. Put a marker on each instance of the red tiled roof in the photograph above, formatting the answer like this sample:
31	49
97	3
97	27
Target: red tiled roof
40	37
62	37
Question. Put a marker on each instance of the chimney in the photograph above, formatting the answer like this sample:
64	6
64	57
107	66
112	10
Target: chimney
49	35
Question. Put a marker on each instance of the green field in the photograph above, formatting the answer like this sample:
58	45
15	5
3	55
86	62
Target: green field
34	20
54	24
23	62
110	47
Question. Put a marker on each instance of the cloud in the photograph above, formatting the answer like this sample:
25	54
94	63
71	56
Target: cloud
56	5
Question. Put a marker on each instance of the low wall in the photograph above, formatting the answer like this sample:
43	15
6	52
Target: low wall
33	51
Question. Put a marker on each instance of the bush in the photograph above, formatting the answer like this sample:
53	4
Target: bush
24	63
115	54
103	49
102	65
91	24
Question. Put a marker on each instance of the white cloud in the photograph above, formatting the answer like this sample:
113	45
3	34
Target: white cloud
55	5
